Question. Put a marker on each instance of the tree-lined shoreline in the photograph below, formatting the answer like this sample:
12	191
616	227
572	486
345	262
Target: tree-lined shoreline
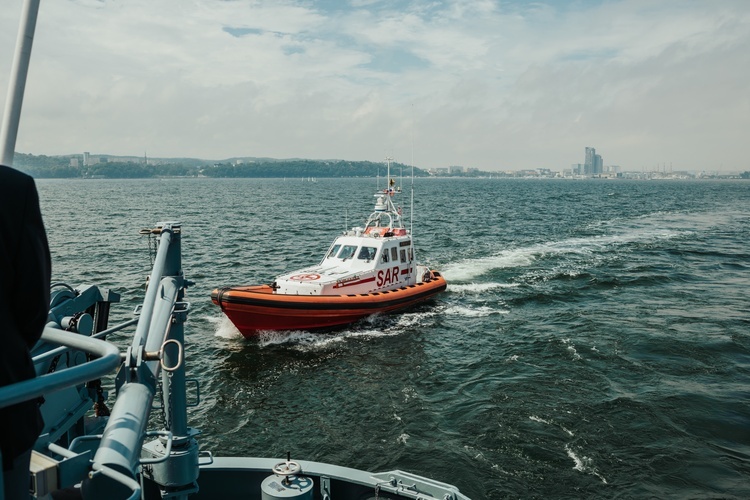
71	167
114	167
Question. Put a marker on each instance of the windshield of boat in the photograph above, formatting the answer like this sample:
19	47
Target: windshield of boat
367	253
333	251
347	252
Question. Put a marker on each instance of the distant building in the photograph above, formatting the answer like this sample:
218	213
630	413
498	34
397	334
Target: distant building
593	165
455	170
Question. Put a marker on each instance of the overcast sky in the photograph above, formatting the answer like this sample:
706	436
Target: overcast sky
491	84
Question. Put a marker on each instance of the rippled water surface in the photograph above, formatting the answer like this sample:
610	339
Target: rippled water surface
594	340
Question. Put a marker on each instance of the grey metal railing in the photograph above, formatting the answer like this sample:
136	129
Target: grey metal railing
108	360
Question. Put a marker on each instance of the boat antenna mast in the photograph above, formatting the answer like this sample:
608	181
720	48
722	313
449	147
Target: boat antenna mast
391	191
411	202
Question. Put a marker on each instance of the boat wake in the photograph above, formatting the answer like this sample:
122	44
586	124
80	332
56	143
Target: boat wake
308	341
478	288
474	312
622	233
372	327
470	269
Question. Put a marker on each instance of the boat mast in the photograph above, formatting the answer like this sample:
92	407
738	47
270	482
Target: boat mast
12	115
391	191
411	216
411	202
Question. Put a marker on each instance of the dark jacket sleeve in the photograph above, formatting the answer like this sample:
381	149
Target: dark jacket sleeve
24	302
31	302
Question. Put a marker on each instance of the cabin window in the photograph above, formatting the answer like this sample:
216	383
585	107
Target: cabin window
394	253
333	251
367	253
347	252
403	255
411	254
384	257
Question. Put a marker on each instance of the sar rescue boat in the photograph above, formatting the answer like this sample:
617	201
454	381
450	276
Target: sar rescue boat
366	270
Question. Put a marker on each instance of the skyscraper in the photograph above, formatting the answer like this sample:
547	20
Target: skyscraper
593	165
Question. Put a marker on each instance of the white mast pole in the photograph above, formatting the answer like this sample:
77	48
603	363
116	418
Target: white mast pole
411	217
14	101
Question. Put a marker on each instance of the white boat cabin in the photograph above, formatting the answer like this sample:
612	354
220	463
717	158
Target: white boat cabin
359	261
378	257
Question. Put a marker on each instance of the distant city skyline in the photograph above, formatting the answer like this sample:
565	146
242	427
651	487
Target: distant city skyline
593	167
491	85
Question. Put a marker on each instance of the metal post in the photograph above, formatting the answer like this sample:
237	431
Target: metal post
154	282
14	101
119	455
177	475
173	382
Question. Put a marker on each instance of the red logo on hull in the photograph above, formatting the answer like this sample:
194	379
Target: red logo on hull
387	277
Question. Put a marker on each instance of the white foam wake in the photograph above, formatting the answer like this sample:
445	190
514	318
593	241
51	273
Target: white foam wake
645	231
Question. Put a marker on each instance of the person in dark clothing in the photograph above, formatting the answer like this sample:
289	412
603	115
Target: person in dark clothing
24	307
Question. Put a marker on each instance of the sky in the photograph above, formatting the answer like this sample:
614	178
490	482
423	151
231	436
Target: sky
489	84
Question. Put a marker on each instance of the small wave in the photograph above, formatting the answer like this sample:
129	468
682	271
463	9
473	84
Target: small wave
572	349
405	321
539	419
550	422
474	312
479	287
306	341
409	393
269	338
583	463
369	333
224	327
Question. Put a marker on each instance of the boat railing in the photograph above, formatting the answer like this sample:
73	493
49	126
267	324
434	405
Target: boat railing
107	359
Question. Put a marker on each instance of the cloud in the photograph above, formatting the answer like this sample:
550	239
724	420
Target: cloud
487	84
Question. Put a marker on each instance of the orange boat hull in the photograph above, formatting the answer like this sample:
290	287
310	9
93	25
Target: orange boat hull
256	308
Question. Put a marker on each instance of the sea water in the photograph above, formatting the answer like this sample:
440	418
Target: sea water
593	342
